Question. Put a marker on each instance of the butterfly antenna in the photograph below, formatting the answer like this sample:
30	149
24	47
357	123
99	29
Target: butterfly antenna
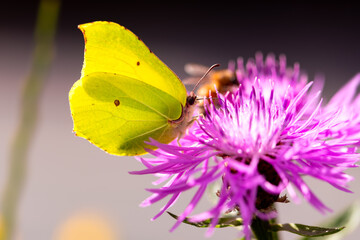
207	98
206	73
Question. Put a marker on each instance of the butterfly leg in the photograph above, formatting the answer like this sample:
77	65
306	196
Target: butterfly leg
188	124
178	140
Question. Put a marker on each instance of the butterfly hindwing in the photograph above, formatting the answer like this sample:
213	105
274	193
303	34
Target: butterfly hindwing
118	113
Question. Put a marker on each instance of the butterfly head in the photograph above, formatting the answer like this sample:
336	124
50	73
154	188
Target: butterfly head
191	99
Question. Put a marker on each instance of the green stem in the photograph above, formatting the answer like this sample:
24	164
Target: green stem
261	229
44	36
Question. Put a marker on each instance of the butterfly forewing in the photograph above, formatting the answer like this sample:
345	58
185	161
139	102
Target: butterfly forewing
110	47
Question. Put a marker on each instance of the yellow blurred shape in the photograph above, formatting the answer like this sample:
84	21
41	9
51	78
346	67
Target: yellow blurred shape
85	226
2	228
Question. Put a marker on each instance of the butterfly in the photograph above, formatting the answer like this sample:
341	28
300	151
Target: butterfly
126	94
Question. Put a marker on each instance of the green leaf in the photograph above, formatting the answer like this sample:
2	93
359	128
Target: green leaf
349	217
305	230
222	222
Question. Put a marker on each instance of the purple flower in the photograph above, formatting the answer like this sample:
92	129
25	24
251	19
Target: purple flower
261	139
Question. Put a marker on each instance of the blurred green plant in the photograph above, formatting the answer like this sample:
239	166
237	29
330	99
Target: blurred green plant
42	57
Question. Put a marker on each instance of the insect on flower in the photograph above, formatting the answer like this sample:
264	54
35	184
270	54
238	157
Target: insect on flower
223	80
264	126
263	138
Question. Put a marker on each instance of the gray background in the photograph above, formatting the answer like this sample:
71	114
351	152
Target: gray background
67	175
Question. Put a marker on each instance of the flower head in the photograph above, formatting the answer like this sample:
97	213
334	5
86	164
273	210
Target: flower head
261	139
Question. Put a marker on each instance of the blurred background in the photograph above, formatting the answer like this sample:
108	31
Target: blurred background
67	179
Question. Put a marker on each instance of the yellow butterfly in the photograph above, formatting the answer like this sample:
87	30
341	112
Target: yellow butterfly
126	95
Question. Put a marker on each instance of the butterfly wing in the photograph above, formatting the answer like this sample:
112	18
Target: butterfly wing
118	113
110	47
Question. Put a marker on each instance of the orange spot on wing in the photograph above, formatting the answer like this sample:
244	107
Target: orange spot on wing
117	102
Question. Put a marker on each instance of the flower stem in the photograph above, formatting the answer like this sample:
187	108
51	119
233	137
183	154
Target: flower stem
261	229
44	36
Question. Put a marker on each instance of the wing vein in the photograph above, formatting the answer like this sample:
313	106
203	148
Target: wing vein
145	133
